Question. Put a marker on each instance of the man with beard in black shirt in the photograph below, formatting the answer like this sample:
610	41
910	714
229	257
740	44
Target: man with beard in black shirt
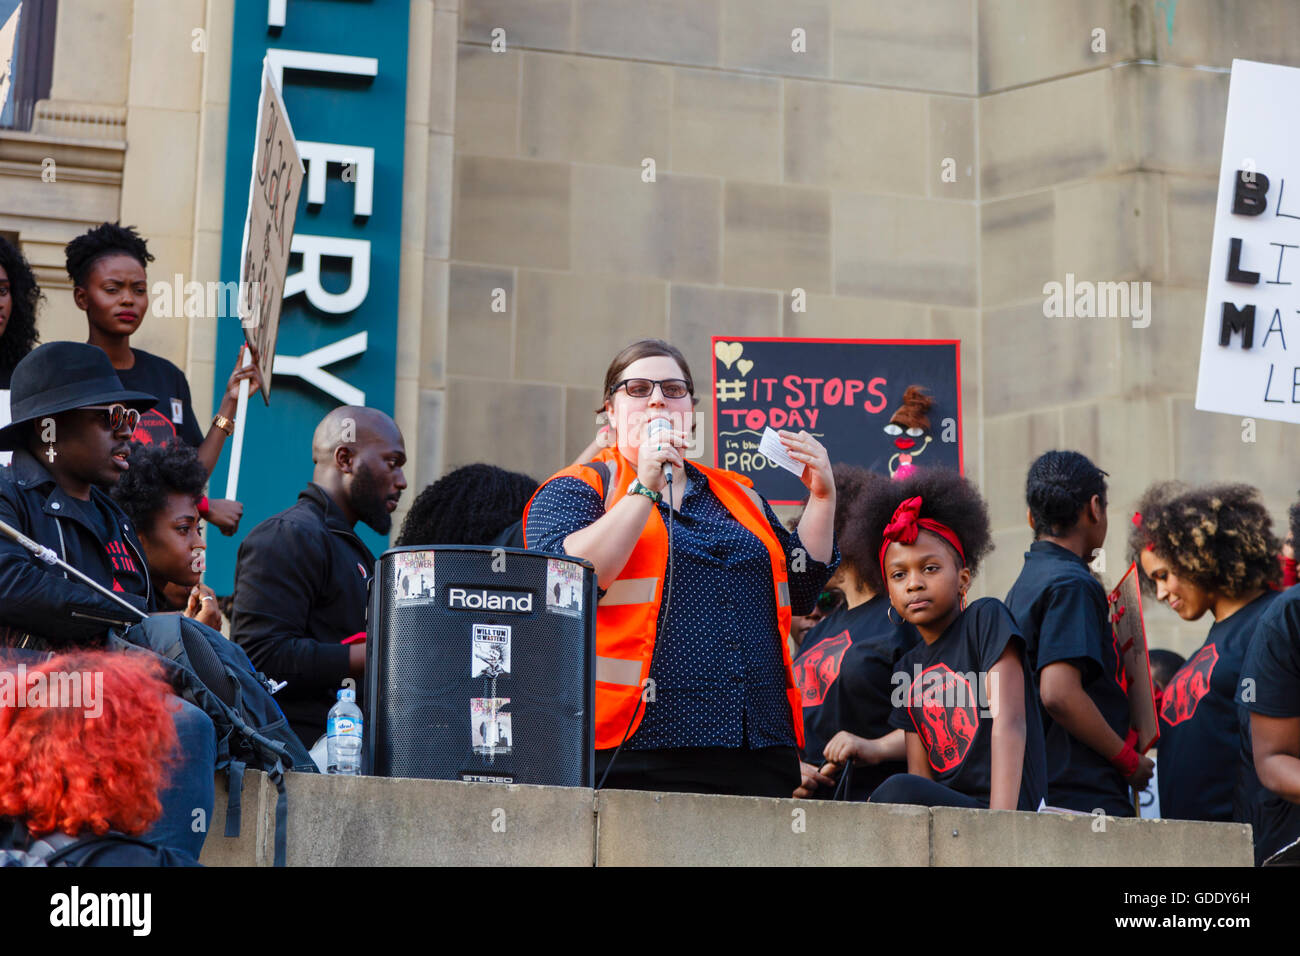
302	576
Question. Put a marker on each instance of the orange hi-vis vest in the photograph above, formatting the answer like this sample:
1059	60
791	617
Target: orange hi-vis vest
627	616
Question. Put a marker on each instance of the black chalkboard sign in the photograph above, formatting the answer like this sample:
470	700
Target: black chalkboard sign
884	404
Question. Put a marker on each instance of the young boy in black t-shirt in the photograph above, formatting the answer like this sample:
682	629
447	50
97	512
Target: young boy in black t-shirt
107	268
1070	646
963	695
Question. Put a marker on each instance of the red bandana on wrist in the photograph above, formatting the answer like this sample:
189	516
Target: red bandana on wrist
905	526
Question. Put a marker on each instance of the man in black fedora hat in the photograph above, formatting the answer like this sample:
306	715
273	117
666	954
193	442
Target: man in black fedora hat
70	431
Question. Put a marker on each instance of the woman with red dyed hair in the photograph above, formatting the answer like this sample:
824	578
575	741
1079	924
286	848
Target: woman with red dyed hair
85	739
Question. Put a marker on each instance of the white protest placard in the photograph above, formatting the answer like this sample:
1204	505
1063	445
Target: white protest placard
273	191
1250	347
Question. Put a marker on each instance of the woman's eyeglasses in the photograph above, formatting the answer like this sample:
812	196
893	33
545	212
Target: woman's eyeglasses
118	415
643	387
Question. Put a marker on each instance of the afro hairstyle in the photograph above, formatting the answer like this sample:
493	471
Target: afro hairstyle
106	239
471	505
854	487
946	497
155	472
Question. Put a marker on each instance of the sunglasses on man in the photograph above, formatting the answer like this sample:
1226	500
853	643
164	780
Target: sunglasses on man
643	387
117	415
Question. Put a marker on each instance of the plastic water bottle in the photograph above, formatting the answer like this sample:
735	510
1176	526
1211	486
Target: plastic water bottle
343	734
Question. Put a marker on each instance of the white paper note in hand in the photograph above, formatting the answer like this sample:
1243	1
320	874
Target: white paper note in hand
770	445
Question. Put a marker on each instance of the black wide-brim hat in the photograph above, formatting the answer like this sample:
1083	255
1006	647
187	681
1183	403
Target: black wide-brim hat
58	377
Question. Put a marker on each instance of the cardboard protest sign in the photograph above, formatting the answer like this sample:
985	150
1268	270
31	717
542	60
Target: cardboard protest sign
1252	305
1131	643
886	405
273	194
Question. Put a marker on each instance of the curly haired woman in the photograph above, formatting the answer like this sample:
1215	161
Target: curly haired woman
19	296
80	778
1205	549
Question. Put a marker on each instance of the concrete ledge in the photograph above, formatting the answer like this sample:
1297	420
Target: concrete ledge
635	828
374	821
257	825
1011	838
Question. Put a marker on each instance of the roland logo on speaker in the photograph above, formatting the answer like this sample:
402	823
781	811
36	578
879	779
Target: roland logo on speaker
480	599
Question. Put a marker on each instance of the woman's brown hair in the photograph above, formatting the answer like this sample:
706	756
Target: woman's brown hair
1220	537
645	348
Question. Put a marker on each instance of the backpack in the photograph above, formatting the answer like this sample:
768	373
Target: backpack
53	849
215	675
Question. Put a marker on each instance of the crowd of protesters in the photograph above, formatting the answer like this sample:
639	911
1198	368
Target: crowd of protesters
837	657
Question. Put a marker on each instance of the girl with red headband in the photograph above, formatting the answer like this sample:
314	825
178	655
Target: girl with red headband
963	695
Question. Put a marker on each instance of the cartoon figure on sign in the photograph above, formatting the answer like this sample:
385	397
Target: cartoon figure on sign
1190	684
948	717
909	424
818	669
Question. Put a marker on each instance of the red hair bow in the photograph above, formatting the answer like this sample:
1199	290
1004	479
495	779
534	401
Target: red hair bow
903	525
906	524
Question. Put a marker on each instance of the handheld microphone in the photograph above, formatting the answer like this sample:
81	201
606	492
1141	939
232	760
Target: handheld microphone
655	431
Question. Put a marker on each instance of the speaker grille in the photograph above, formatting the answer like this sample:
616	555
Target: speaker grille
455	632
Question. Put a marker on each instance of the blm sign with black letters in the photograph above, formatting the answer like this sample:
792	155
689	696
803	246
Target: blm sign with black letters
887	405
1252	306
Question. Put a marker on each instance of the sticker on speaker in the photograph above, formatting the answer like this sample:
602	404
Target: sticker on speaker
489	728
563	587
413	583
491	650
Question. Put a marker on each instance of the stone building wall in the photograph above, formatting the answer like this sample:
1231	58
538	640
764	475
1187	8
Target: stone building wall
775	170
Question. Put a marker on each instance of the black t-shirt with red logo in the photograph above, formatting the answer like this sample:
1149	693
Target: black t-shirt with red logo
1199	745
119	557
173	416
845	670
949	705
1064	616
1270	686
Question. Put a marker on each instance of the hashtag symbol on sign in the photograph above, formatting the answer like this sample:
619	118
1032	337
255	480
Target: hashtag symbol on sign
731	390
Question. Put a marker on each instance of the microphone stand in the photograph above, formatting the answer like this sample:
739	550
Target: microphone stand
48	556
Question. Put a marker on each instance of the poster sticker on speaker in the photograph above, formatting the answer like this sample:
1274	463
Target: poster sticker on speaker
413	582
489	728
491	656
564	587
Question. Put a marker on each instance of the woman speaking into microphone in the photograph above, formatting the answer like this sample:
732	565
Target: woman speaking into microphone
694	689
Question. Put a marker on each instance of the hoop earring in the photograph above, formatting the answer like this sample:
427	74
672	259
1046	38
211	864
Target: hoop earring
889	612
963	600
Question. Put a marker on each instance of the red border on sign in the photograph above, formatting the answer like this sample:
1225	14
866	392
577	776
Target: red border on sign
1151	684
713	375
